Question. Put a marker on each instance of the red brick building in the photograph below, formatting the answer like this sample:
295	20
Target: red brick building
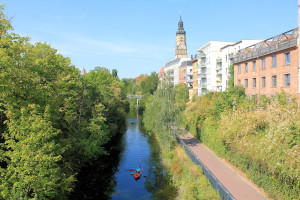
269	66
183	74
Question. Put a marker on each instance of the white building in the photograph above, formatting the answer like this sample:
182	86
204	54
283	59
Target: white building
214	60
225	59
207	62
173	66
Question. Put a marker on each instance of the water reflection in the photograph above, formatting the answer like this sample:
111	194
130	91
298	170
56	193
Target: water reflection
110	176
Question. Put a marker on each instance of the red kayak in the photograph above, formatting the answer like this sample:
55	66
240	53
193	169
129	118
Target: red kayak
137	175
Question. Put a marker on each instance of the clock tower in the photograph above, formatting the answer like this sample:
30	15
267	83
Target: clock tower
180	48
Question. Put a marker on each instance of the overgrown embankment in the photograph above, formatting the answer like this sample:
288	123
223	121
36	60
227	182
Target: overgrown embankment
263	141
162	110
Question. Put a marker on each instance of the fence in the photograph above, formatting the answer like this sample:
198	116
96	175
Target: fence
216	184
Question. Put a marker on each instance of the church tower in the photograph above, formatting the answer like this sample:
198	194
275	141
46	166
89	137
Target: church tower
180	49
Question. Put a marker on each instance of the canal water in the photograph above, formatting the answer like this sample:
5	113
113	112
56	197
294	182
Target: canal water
110	176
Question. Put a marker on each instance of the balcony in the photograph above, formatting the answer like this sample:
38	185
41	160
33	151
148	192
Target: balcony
219	60
190	73
219	72
218	67
231	56
277	43
219	84
202	64
202	75
202	55
203	85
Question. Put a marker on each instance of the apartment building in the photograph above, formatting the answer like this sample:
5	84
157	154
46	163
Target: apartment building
269	66
225	59
207	63
173	68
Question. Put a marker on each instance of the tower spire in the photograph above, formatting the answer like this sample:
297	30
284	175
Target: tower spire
180	14
180	26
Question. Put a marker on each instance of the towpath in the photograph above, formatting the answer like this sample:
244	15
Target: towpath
236	185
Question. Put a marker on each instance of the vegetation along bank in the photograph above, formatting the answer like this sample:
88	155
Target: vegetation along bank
53	120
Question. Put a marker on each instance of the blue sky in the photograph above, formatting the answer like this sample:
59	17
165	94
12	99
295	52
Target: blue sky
138	36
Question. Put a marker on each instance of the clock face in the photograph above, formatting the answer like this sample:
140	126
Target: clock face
181	46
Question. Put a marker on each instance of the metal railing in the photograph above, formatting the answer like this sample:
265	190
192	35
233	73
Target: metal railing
202	75
215	183
277	43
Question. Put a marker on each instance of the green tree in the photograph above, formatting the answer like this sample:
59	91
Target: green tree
52	119
149	83
231	77
114	72
33	158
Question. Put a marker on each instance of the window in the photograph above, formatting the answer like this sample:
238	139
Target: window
226	83
263	63
184	70
287	80
287	58
184	77
254	65
274	61
246	67
254	82
246	83
239	69
191	70
239	82
274	81
263	82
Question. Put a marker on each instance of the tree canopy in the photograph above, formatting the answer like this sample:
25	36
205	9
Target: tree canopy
52	119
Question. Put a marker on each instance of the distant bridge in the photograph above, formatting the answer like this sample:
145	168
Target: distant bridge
135	96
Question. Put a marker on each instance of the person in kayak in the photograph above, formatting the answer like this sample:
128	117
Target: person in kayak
137	170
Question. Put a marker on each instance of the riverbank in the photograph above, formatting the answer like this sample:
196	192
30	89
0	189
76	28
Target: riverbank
187	177
109	177
261	140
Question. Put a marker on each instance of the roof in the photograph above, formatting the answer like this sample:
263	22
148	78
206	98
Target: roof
186	63
161	72
173	62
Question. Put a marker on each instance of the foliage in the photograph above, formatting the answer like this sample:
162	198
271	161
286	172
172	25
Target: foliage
160	113
162	109
187	177
262	141
145	84
54	119
114	72
149	83
231	78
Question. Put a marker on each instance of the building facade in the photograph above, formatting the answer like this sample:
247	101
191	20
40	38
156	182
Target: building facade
270	66
225	60
195	74
207	65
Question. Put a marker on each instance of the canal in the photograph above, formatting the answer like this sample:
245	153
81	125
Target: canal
110	177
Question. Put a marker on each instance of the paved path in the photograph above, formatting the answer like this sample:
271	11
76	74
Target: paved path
237	186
